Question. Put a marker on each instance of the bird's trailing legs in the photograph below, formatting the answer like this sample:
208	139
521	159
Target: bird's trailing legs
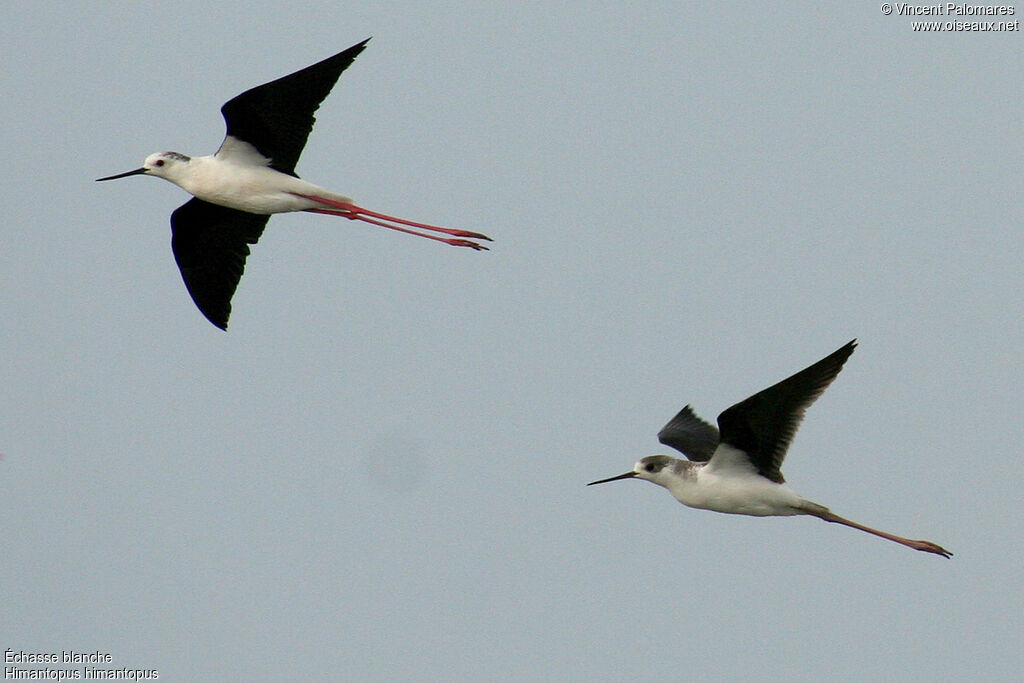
822	512
357	213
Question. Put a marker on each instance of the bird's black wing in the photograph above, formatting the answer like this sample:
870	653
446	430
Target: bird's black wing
764	425
210	243
276	117
690	435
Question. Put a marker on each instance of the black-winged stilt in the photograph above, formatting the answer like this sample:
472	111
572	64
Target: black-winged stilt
736	467
251	176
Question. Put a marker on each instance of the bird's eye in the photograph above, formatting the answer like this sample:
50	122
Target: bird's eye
649	467
159	162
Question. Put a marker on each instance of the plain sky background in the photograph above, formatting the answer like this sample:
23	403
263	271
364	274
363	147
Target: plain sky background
378	472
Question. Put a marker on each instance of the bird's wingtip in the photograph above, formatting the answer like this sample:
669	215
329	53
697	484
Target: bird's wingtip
219	324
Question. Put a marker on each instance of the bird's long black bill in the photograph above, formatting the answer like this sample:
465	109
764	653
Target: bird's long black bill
137	171
627	475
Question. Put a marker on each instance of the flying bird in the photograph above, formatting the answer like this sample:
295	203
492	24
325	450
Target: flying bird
736	467
252	176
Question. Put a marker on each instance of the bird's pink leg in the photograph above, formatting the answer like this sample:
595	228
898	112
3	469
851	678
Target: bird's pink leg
455	242
926	546
353	212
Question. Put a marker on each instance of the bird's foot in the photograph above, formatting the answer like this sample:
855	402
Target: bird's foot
466	243
471	235
929	547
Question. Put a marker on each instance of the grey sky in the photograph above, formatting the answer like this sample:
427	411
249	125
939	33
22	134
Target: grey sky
378	472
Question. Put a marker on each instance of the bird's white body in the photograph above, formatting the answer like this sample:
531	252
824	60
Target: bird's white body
238	177
732	488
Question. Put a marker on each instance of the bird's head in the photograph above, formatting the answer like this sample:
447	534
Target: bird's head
161	164
653	468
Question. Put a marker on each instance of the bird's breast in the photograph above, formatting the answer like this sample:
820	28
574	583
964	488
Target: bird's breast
739	495
254	189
